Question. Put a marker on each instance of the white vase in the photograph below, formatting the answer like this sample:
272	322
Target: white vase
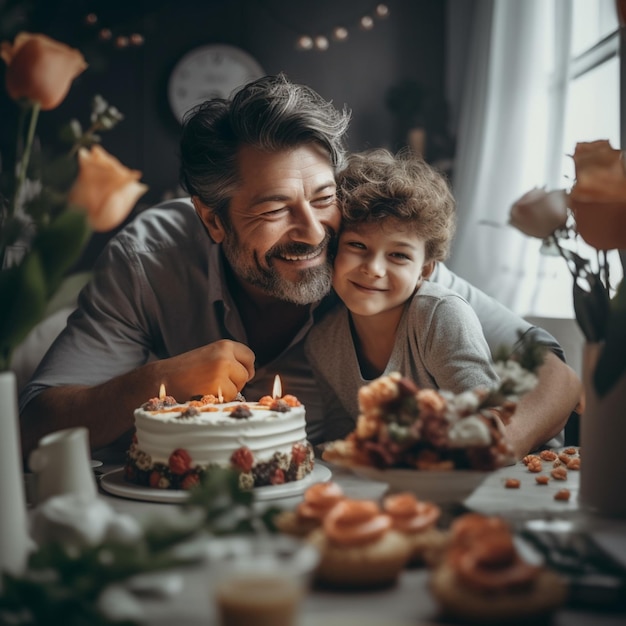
602	442
15	542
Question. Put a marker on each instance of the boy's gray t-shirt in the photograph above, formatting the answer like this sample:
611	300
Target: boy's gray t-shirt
439	344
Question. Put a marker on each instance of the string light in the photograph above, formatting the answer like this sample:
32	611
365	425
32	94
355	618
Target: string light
366	22
382	11
341	33
304	42
121	40
321	42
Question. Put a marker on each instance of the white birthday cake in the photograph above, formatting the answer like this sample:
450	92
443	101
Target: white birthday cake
174	444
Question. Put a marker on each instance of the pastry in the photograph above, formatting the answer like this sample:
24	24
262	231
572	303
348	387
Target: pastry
417	521
482	578
318	500
359	549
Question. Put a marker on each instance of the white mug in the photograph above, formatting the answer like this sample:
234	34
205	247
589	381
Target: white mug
62	465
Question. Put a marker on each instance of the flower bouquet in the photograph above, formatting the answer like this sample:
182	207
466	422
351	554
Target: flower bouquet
49	202
593	210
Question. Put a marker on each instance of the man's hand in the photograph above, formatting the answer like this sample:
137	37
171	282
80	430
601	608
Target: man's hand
222	367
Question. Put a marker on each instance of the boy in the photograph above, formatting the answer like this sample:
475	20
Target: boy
397	221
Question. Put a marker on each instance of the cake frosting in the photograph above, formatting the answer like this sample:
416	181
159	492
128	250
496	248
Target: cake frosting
174	443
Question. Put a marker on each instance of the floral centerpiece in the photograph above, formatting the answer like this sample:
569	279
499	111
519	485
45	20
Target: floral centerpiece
87	554
593	210
403	426
49	203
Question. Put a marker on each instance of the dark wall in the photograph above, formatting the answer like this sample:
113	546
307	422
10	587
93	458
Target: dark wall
408	44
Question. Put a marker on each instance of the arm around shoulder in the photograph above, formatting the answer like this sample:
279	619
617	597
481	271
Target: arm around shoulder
543	412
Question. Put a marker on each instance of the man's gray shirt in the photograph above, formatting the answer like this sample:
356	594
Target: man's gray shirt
439	344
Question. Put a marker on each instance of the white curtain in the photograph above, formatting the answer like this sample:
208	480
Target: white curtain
502	152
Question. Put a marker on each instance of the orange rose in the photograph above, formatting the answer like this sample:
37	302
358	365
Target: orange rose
598	197
40	69
105	188
539	213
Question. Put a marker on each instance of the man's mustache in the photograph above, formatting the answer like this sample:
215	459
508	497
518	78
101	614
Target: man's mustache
300	249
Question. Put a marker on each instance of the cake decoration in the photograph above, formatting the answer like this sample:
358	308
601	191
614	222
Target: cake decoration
402	426
176	443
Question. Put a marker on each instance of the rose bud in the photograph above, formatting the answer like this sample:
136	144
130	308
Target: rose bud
105	188
598	197
40	69
538	213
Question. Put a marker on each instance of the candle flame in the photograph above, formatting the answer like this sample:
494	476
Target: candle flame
161	391
220	397
278	388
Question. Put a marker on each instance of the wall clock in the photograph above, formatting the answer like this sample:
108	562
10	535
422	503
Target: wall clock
211	71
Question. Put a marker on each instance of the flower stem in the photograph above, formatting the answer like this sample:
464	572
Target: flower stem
24	160
81	140
555	239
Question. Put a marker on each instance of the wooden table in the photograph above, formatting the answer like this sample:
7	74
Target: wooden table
407	603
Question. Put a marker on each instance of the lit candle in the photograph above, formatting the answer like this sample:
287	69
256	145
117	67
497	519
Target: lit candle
278	388
220	397
163	399
277	399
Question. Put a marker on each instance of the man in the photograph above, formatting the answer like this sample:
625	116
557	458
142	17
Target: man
219	299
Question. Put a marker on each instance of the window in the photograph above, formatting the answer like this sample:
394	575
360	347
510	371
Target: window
592	101
585	105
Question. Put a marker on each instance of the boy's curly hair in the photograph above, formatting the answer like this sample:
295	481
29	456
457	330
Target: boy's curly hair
376	185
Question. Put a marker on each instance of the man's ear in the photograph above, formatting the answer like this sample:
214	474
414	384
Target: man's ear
428	269
210	219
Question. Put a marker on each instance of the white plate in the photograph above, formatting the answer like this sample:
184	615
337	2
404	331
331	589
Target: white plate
434	486
114	483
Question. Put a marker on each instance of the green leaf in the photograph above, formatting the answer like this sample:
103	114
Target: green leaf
592	308
60	173
25	291
71	131
612	361
12	229
43	207
60	245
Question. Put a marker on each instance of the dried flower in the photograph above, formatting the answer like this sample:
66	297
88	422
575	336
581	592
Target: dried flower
598	204
598	197
538	213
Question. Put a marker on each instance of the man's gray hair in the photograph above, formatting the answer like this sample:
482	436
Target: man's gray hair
270	114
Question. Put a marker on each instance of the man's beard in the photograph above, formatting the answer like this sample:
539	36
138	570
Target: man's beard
311	284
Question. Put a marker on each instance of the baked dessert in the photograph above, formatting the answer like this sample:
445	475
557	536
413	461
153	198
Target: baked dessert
174	444
483	579
402	426
417	521
318	500
359	549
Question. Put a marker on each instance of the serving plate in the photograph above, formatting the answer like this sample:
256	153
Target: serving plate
113	482
440	487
